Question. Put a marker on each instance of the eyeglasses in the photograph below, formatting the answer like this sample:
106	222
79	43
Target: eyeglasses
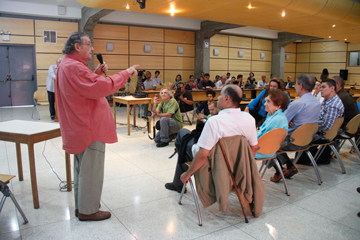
89	45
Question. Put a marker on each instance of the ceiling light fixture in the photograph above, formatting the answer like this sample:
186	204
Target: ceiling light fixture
172	10
345	39
329	36
127	6
334	25
250	7
283	14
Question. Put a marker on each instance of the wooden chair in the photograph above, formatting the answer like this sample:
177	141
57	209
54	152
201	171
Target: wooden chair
350	131
39	96
268	144
4	188
329	141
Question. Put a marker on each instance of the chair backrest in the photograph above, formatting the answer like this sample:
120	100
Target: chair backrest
353	125
332	132
271	141
303	135
40	94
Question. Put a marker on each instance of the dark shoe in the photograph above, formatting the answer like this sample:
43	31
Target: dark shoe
172	137
98	216
77	211
290	172
276	178
162	144
172	187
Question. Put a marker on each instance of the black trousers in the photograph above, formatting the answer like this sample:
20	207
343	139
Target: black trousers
51	99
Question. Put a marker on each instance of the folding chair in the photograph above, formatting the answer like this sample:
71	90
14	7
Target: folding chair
350	132
4	188
39	95
268	144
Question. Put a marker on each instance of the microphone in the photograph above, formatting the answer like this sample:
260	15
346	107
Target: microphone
100	58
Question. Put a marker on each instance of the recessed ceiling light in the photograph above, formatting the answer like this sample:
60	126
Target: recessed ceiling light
345	39
334	25
283	14
127	6
172	10
250	7
329	36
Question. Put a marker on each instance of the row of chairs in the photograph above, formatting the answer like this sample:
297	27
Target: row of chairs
271	142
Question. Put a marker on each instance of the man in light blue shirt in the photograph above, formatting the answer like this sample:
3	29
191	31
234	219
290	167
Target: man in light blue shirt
301	111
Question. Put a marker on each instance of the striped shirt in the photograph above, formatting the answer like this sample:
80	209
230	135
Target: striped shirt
331	109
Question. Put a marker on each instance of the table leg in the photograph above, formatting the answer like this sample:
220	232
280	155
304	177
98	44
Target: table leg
128	117
68	172
134	107
33	176
114	106
149	118
19	162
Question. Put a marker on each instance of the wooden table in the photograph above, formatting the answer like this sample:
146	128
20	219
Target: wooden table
29	132
130	100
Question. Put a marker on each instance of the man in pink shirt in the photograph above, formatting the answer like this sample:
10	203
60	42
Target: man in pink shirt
86	121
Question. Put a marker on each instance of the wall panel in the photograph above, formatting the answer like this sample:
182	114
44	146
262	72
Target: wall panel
63	29
290	48
177	36
147	62
138	48
334	68
43	61
239	65
41	77
219	40
255	55
328	57
179	63
353	69
353	47
261	44
17	26
50	47
146	34
120	46
119	62
14	39
292	57
328	47
218	64
106	31
171	50
302	48
302	68
302	57
239	42
223	52
260	66
289	67
234	53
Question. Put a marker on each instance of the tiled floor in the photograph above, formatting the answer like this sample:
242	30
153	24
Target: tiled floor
135	174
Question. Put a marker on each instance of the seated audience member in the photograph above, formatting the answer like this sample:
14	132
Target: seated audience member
206	83
170	117
213	109
156	79
350	104
149	83
272	76
257	108
217	78
275	104
177	80
228	79
301	111
332	107
234	81
324	74
198	80
316	92
262	83
221	83
191	84
250	82
289	83
225	124
204	105
185	100
241	83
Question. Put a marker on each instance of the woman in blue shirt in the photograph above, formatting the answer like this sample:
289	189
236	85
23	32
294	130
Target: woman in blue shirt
275	104
177	80
257	106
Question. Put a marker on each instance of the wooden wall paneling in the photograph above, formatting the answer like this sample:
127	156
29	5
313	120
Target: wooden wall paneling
292	74
292	57
42	76
17	26
234	53
219	40
334	68
303	57
19	40
183	63
42	47
107	31
219	64
147	62
223	52
114	61
43	61
302	48
352	79
146	34
157	48
178	36
261	44
63	29
328	57
258	74
289	67
302	68
260	66
255	55
214	73
171	50
328	47
291	48
239	65
353	69
239	42
353	47
170	75
120	46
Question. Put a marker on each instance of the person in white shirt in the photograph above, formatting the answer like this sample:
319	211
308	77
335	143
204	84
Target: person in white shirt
50	87
221	83
225	124
156	79
149	83
228	78
262	83
316	92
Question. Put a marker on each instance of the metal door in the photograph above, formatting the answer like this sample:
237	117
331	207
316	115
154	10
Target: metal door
17	75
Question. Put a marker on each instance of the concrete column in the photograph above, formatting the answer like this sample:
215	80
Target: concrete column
202	44
89	18
278	51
